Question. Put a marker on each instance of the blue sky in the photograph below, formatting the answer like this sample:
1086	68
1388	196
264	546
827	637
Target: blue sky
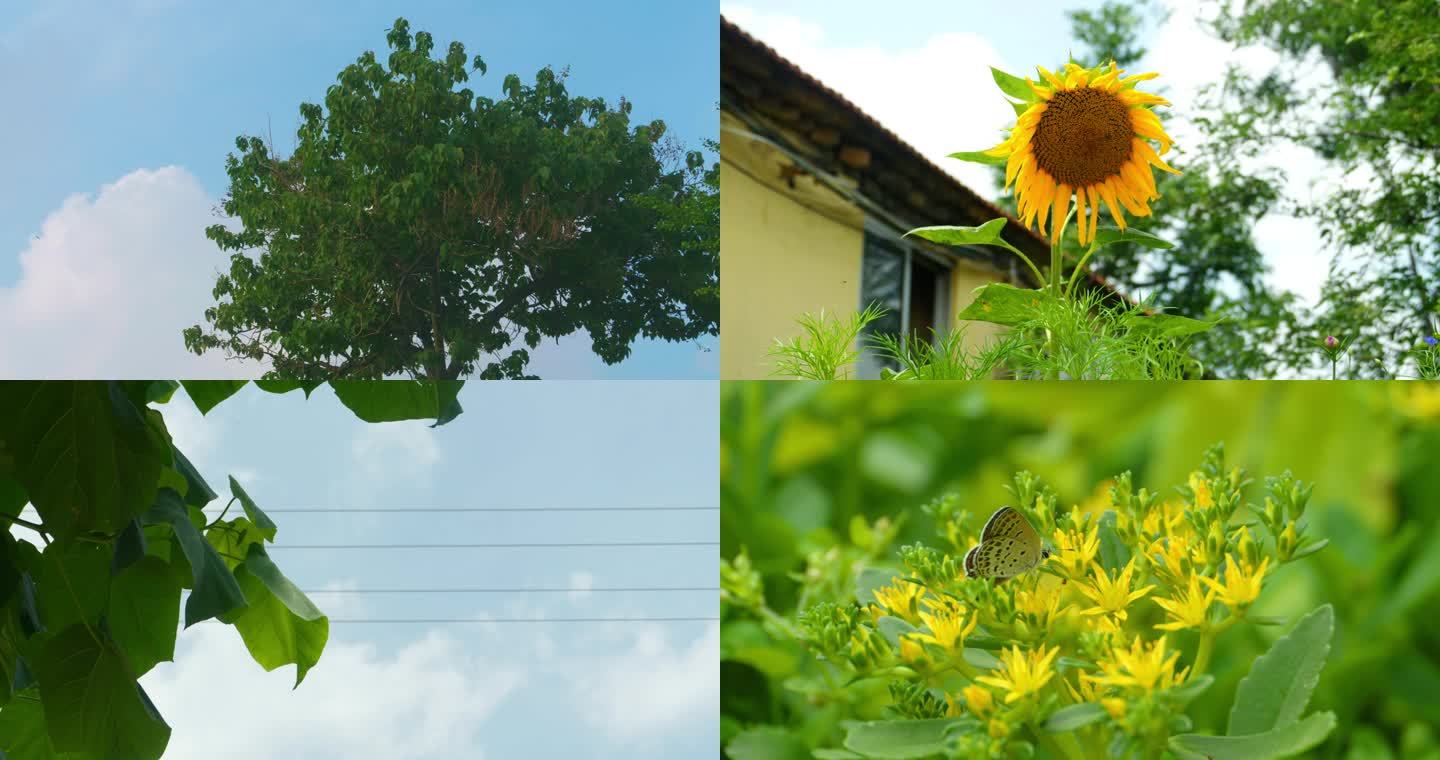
632	690
109	88
922	69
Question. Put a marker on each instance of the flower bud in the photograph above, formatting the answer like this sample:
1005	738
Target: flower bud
1286	542
1331	342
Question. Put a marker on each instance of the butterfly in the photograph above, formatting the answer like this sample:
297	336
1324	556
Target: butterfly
1009	546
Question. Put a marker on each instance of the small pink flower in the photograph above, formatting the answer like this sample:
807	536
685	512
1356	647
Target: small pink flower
1331	341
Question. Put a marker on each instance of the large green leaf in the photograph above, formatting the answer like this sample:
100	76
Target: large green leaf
216	591
207	394
93	702
1281	742
394	400
82	452
22	731
262	522
986	234
144	613
281	626
1275	692
73	585
1003	304
898	739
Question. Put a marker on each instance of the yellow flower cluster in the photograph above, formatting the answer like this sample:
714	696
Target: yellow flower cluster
1094	621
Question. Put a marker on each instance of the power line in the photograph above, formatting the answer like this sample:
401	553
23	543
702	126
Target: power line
500	590
294	510
596	544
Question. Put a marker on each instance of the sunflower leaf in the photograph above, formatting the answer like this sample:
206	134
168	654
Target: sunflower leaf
1108	235
1013	86
1020	108
1004	304
980	157
986	234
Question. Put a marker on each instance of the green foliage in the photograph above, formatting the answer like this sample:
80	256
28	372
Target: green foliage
123	533
417	229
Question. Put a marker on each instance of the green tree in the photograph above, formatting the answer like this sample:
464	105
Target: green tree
92	602
418	229
1377	118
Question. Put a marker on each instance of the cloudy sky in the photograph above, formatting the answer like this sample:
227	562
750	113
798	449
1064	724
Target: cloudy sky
646	690
119	116
922	69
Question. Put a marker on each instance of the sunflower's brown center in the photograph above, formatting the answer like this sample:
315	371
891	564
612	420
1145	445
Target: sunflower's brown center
1083	137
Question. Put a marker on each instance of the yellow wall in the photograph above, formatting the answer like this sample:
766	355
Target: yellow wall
778	259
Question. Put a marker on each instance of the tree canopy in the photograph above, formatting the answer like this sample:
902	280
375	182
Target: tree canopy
418	229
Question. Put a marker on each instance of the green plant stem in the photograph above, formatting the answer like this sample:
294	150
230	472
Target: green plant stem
1055	254
37	527
1070	289
1207	646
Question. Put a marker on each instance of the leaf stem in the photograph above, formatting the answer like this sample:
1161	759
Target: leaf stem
1070	289
37	527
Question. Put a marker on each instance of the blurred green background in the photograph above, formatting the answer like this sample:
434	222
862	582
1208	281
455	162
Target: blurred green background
799	460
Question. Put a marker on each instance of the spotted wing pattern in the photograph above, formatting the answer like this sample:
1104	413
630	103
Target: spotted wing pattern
1008	546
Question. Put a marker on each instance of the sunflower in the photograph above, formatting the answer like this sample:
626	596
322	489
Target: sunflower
1085	136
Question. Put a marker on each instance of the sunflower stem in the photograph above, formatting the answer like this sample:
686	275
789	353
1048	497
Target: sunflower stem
1055	255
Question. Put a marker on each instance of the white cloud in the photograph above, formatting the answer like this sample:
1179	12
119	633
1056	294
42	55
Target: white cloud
430	700
634	697
111	280
581	583
938	96
386	450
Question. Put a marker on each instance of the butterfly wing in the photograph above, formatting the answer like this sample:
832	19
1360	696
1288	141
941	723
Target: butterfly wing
1009	545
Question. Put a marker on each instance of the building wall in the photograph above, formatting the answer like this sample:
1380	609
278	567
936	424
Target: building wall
779	259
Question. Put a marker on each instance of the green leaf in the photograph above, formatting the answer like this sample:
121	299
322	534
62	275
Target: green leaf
870	579
980	157
1110	235
767	743
281	626
1168	325
1020	108
94	704
144	613
1003	304
22	730
1310	548
1281	742
986	234
73	585
1191	689
82	452
198	493
836	754
207	394
1275	692
262	521
892	628
1075	716
1114	553
129	546
285	386
394	400
216	591
898	739
1013	86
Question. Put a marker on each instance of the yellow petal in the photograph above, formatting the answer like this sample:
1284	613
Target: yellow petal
1080	214
1148	154
1094	192
1051	78
1138	98
1057	214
